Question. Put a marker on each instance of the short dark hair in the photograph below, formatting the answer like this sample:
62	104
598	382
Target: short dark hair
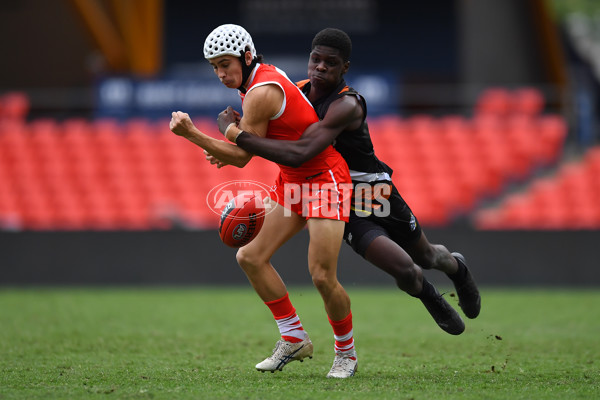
336	38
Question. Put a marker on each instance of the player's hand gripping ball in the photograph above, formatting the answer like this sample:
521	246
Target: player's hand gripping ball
241	220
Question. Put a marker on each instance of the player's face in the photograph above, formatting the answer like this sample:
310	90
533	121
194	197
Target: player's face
326	67
228	69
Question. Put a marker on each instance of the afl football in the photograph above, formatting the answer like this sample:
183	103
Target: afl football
241	220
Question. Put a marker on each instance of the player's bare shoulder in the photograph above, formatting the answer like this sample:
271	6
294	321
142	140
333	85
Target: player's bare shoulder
264	99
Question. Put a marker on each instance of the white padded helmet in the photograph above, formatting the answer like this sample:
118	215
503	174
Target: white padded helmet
228	39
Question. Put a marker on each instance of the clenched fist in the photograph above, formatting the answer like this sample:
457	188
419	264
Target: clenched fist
181	124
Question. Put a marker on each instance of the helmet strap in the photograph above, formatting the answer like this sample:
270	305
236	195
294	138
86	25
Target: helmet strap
246	71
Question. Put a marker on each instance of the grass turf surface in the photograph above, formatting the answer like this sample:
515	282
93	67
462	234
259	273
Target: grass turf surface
203	343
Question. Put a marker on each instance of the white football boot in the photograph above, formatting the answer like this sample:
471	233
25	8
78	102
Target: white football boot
286	352
343	365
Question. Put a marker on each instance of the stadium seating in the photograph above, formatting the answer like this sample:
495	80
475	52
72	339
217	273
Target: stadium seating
106	174
444	167
568	199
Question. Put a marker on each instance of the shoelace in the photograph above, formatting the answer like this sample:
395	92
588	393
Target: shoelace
341	361
278	346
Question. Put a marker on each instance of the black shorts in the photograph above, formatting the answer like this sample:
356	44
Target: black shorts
399	224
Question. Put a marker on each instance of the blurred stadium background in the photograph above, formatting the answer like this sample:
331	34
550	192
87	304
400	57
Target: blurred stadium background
486	110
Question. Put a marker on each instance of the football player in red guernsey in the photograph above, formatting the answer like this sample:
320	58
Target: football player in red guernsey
315	194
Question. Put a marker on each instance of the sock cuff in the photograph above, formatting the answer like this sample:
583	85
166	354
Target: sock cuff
343	326
281	308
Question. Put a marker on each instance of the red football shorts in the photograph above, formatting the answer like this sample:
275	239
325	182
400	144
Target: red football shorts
326	194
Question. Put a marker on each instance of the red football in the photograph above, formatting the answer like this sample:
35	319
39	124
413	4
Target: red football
241	220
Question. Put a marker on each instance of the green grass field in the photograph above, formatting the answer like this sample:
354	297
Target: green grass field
203	343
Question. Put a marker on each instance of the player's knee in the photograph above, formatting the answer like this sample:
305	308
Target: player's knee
410	274
408	278
246	259
323	285
322	280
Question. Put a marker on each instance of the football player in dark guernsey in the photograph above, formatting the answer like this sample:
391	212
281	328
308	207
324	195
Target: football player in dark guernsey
382	227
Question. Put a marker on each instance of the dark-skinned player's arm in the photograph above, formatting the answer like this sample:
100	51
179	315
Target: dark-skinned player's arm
342	114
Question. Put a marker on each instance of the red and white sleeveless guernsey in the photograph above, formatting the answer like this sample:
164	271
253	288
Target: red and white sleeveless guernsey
324	180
